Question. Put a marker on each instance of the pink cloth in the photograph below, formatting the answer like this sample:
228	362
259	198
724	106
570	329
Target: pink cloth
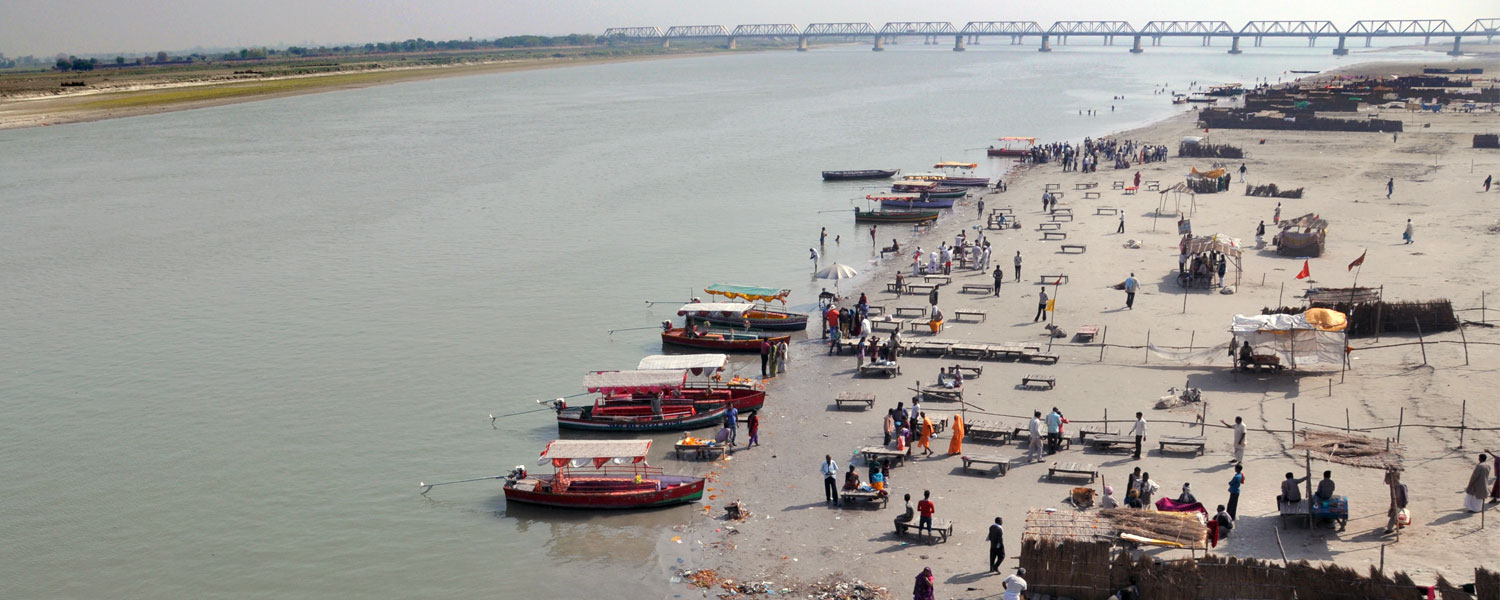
1170	505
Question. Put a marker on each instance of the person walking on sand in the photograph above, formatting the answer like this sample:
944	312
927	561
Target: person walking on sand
996	539
1390	186
1018	265
830	472
926	440
956	441
1242	172
1239	439
1034	437
753	424
1398	499
872	234
1408	234
925	508
1276	218
1139	431
924	589
981	208
999	279
1234	488
1487	179
1479	482
1041	306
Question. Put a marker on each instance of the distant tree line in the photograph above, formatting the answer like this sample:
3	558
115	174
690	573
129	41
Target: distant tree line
67	62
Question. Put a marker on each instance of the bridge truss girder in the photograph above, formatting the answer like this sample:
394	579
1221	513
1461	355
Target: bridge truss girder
1289	28
1158	28
1002	28
918	28
633	32
1091	28
1484	27
693	31
767	30
838	29
1376	28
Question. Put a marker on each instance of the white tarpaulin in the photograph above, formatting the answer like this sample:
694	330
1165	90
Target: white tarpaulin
683	361
1244	324
1297	342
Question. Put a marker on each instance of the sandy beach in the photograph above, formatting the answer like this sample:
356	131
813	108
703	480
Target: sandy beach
793	536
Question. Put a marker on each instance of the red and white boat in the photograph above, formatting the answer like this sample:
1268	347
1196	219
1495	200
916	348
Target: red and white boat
703	384
638	401
1012	146
600	475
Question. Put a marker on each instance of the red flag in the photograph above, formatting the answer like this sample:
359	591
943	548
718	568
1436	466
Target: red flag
1358	261
1305	273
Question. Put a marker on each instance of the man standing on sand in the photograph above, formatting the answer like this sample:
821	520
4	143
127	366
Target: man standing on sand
981	208
1479	482
1234	489
1121	229
1041	306
830	472
1054	430
1390	186
1034	441
1239	439
872	234
1018	265
1139	431
1487	179
925	508
1242	172
765	355
997	545
999	279
1130	287
1408	234
1276	218
1398	499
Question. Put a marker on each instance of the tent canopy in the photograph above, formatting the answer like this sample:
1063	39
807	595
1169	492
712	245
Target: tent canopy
731	309
748	292
1217	242
630	382
577	453
955	165
683	361
1314	341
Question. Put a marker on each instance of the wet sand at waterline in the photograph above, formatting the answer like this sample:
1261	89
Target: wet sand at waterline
794	536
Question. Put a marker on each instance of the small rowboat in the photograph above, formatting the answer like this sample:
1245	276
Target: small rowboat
859	174
1012	147
911	201
733	342
619	478
914	216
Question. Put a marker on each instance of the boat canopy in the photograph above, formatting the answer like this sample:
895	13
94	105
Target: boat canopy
716	309
917	183
684	361
748	292
1029	140
581	452
955	165
632	382
924	176
896	196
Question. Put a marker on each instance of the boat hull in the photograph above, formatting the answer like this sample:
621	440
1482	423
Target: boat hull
762	319
613	493
860	174
676	337
967	181
896	217
922	204
576	419
945	192
1007	152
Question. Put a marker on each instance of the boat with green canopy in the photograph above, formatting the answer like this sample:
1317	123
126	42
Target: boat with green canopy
757	316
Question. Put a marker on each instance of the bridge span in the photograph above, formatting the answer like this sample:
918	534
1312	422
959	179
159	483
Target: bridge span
1017	31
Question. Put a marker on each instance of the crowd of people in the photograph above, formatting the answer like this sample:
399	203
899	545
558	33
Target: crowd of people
1085	158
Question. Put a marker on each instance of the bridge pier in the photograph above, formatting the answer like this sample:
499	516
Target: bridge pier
1456	51
1234	45
1135	48
1046	44
1258	40
1427	41
731	43
1368	39
958	43
1341	50
1312	41
879	44
802	43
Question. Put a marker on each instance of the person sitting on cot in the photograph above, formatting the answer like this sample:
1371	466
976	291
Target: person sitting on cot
1133	499
851	479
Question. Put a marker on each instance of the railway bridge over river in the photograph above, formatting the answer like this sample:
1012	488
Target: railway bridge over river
1016	32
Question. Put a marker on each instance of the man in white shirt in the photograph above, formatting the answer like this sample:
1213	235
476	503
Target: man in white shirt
1239	440
1034	446
830	472
1139	431
864	327
1014	585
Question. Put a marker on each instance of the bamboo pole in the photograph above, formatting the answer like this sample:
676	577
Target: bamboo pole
1104	336
1184	300
1481	306
1346	421
1284	562
1192	337
1399	422
1280	294
1203	423
1294	423
1463	423
1148	347
1382	559
1465	340
1421	340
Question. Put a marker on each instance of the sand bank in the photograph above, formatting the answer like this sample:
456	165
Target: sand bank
794	536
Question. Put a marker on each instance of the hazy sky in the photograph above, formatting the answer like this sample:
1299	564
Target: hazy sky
45	27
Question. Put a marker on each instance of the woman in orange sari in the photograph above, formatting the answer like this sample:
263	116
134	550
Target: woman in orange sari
956	443
926	441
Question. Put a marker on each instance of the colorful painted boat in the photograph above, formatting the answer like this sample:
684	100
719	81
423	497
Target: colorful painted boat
619	478
759	316
703	384
734	342
859	174
946	191
961	181
914	216
921	201
604	415
1012	146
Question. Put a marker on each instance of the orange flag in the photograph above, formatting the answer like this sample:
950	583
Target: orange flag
1305	273
1358	261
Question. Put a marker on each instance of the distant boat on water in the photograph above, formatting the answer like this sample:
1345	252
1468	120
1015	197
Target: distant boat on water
860	174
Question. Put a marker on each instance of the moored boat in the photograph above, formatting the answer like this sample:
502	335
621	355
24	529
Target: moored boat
723	342
912	216
619	477
1012	146
963	181
616	409
704	383
759	316
922	201
859	174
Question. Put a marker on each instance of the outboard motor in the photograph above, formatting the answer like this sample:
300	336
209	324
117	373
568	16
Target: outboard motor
666	325
515	475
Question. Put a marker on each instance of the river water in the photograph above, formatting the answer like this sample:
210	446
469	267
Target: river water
235	339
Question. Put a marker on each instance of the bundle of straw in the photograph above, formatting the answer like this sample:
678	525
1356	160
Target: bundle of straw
1182	528
1348	449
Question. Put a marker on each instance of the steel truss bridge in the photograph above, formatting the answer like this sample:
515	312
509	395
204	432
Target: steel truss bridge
1017	31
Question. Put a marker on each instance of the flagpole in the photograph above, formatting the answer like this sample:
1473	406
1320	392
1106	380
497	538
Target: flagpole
1355	287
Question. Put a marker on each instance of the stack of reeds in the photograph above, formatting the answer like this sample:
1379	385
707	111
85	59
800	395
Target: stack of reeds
1232	577
1177	527
1201	150
1486	584
1271	191
1067	568
1352	450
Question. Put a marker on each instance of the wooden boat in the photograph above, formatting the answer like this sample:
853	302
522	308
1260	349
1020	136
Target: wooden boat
913	216
929	188
1011	146
859	174
704	383
962	181
616	410
619	478
1228	90
622	388
946	191
740	342
1199	97
922	201
742	316
1179	99
760	316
